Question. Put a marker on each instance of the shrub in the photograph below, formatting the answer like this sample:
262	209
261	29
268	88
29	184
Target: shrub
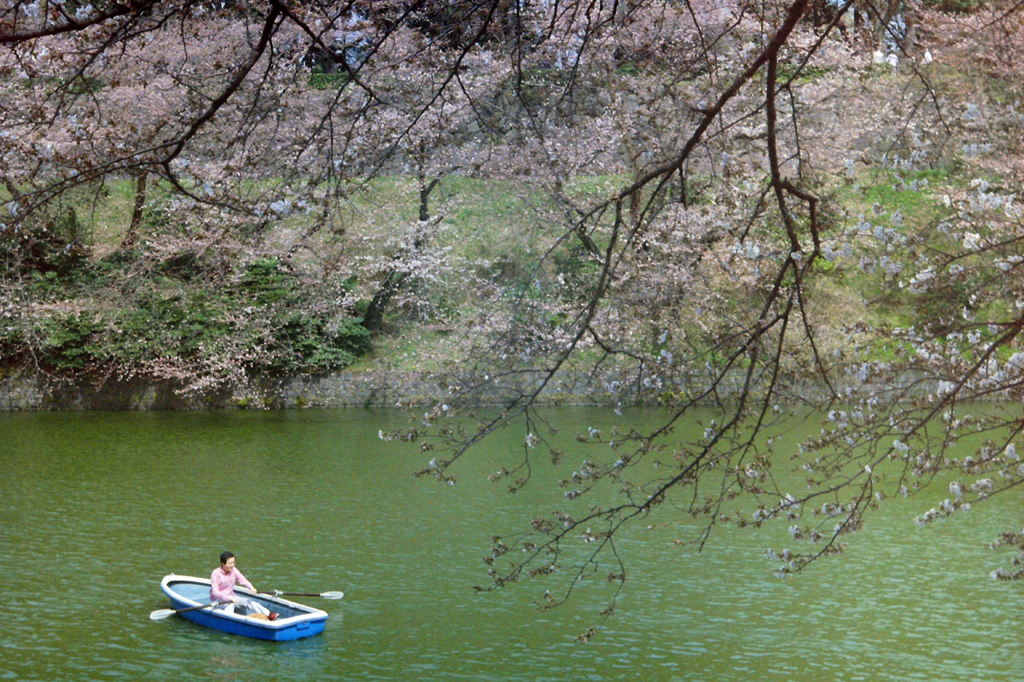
954	6
265	282
305	343
50	245
69	342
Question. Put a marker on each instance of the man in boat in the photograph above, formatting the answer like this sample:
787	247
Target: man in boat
222	590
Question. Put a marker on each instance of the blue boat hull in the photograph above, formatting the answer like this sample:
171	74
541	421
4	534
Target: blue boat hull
295	621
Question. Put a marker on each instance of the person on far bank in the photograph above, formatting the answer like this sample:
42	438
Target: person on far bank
222	590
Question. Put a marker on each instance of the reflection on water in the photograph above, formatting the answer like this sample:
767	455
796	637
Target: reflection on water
96	508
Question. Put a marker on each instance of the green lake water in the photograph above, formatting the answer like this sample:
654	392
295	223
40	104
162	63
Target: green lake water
95	508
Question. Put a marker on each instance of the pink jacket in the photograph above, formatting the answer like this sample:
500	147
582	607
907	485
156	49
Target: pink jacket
222	585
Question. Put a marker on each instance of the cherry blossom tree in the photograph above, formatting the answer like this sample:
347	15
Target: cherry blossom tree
730	207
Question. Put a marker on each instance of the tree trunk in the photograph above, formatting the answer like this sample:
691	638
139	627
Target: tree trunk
424	196
374	317
132	234
911	21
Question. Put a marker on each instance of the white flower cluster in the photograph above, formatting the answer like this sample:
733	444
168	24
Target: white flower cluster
812	534
748	250
943	511
982	488
283	208
911	162
920	282
974	149
85	13
983	200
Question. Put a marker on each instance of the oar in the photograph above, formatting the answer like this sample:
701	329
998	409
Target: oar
160	614
325	595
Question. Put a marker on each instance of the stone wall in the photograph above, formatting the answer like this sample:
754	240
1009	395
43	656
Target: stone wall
342	389
356	389
18	393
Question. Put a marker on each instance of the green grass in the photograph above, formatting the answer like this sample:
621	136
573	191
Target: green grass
806	75
908	193
318	80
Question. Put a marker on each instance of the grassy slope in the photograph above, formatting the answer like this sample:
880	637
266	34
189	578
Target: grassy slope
487	219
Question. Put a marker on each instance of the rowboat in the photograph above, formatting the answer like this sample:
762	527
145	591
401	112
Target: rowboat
190	598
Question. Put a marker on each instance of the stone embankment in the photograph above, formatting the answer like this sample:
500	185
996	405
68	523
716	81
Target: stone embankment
22	393
381	388
343	389
338	390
